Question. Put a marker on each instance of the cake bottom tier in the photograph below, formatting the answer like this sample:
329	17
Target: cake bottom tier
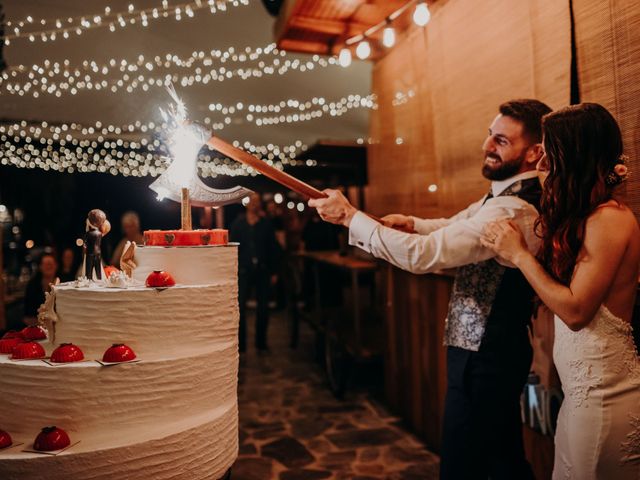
205	449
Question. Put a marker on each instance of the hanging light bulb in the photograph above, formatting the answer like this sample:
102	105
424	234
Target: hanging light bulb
344	59
421	15
363	50
389	37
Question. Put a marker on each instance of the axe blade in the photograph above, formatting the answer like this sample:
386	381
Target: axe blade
200	194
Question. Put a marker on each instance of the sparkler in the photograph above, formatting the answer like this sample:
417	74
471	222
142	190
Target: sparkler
180	182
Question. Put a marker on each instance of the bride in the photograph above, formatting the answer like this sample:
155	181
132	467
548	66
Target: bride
587	273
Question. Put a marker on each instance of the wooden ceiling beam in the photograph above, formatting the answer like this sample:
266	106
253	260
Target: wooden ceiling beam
327	26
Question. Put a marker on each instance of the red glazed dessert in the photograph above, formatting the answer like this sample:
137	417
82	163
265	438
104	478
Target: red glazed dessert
28	350
34	333
160	279
13	334
7	344
180	238
5	439
51	438
67	353
118	352
109	269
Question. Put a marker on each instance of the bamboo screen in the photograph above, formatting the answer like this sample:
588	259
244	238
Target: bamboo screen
608	54
439	89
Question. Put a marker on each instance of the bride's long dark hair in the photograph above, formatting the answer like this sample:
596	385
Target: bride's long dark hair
583	144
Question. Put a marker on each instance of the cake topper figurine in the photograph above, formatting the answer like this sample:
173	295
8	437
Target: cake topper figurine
127	260
47	316
97	227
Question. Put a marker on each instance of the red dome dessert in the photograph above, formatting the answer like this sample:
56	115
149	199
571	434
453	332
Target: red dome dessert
109	269
51	438
66	353
118	352
5	439
13	334
7	344
34	333
27	350
160	279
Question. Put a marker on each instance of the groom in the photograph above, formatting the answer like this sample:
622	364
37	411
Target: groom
488	348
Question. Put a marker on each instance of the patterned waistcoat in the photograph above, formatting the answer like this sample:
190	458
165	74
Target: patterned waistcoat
489	299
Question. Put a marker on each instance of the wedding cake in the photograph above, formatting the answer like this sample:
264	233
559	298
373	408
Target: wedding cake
171	413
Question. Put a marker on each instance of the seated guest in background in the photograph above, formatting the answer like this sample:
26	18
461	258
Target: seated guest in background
586	272
488	353
258	261
132	233
37	286
68	267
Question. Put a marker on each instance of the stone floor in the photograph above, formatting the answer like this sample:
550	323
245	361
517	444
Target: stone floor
293	428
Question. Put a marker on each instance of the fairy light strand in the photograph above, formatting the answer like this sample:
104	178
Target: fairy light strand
65	28
131	82
147	157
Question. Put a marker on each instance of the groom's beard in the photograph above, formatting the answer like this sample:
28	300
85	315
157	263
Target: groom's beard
495	168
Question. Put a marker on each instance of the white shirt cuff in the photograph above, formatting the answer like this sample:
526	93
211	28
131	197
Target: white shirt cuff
361	230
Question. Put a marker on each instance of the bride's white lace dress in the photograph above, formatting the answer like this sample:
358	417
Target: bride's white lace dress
598	432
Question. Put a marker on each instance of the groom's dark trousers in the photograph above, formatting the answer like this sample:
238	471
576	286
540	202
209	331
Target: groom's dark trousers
482	431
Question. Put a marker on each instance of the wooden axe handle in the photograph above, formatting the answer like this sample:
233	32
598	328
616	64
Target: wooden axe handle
283	178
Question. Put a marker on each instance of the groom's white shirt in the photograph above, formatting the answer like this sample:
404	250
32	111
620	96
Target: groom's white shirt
447	242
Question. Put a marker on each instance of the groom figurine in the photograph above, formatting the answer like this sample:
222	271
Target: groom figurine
488	348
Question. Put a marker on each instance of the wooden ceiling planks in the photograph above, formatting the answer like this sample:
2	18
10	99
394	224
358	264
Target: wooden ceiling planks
322	26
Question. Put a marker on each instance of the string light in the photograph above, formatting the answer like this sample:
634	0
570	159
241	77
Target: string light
75	81
389	37
421	15
284	112
344	59
363	50
59	28
146	157
198	58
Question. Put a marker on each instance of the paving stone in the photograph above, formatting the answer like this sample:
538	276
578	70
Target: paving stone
363	438
370	468
252	468
304	474
319	445
368	455
340	408
338	460
308	428
399	454
289	452
247	449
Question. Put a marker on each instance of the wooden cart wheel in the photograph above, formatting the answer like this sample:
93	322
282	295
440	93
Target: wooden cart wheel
338	364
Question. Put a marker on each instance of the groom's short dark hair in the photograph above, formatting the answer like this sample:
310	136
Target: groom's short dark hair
529	112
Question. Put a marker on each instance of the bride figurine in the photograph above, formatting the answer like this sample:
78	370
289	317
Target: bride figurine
586	272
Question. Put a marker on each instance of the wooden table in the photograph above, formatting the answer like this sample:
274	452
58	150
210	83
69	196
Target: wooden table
352	331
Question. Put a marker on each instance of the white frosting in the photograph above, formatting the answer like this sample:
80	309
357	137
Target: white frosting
173	414
203	447
150	321
87	399
189	265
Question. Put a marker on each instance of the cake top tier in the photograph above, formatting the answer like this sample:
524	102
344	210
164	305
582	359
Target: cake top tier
203	265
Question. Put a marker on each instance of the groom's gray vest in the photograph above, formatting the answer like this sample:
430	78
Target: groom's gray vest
489	302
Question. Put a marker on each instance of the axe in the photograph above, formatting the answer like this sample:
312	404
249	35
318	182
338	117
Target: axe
273	173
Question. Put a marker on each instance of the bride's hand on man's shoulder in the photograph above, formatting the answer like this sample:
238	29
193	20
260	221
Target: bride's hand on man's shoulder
399	221
505	239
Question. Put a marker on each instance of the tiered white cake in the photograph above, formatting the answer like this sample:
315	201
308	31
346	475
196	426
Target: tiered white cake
173	414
